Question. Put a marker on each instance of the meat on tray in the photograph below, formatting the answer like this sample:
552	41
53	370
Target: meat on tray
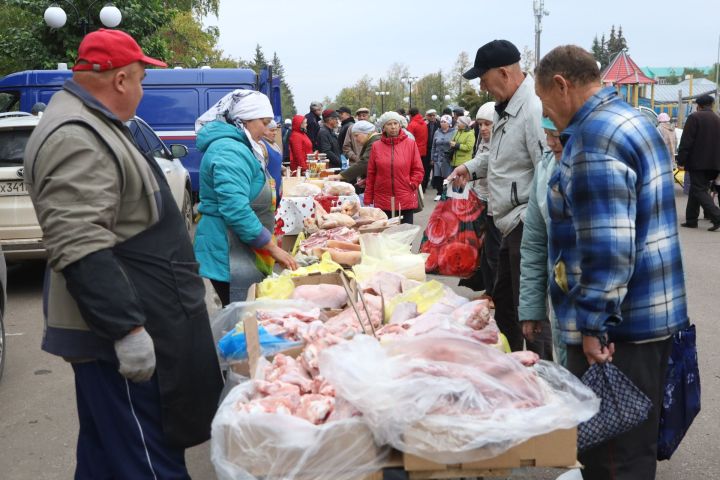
323	295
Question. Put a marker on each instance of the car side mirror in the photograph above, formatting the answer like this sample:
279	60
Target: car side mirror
178	151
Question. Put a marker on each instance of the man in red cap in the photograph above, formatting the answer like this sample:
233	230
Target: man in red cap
123	301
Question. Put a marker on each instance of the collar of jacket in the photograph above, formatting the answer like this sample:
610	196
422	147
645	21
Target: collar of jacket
347	120
77	90
393	140
520	97
604	95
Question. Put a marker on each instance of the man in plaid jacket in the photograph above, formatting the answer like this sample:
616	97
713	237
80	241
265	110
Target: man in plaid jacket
618	289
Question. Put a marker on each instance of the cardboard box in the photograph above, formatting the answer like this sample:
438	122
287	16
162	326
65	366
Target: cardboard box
554	449
247	367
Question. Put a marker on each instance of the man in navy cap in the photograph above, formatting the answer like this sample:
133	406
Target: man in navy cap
517	144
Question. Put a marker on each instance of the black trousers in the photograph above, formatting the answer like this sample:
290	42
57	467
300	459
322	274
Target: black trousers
700	181
632	455
406	214
506	296
223	291
489	254
428	170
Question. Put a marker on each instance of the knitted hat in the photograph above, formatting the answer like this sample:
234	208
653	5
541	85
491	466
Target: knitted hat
486	112
465	120
387	116
447	119
363	126
663	117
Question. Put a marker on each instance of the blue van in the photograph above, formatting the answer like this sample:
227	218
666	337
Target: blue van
173	99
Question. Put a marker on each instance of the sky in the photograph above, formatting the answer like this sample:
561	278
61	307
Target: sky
326	45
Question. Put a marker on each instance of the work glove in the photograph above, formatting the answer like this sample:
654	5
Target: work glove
136	354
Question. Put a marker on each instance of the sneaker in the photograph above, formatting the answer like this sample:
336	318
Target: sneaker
437	198
689	225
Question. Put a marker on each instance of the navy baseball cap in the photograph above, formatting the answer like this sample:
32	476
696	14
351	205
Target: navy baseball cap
498	53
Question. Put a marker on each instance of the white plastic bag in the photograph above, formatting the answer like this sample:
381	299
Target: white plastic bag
450	399
390	251
247	446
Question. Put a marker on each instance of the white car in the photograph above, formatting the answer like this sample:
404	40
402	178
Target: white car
20	234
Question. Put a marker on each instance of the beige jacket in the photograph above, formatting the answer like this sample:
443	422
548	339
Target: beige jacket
350	147
667	132
91	189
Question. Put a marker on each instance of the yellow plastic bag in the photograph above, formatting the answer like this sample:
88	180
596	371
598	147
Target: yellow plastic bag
424	296
326	265
277	288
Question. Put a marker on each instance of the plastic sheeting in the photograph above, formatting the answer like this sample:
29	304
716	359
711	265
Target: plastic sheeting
450	399
246	446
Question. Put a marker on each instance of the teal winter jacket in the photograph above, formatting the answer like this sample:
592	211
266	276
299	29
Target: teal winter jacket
230	179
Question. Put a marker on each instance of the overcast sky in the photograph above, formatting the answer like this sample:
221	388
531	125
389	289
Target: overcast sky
326	45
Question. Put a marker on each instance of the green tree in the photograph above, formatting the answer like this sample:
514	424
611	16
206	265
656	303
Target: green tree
286	96
604	51
426	87
458	83
259	61
471	100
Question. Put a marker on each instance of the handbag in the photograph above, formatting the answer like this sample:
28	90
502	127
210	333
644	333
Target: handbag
421	200
623	405
681	398
453	236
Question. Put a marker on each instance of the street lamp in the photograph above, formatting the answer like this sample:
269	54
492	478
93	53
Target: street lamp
55	16
382	96
409	80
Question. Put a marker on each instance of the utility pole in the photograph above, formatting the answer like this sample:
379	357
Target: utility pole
539	12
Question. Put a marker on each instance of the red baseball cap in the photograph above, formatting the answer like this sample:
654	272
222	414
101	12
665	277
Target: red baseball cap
108	49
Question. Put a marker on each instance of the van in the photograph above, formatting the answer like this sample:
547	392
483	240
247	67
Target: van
173	99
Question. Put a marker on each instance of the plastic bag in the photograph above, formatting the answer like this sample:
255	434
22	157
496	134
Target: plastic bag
247	446
277	288
451	400
390	251
452	238
326	265
233	346
681	401
228	321
304	189
338	189
424	296
623	405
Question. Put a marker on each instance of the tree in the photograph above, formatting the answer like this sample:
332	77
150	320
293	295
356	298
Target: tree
426	87
527	59
458	83
259	61
604	52
286	96
471	100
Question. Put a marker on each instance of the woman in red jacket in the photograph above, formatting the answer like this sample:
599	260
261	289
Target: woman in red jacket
394	171
300	144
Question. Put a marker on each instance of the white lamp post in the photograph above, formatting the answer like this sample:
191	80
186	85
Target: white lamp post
55	16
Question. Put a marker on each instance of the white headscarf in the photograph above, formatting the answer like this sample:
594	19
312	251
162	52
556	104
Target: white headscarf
236	107
363	126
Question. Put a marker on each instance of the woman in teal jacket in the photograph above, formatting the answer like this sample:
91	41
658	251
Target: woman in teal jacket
233	240
534	266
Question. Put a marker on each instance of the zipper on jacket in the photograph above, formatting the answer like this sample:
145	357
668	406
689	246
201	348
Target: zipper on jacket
513	195
392	169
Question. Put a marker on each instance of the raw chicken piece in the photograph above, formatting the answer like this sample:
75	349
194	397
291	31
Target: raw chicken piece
266	388
320	238
334	220
338	189
403	312
315	408
348	207
526	357
475	314
323	387
387	284
372	213
323	295
289	323
345	324
283	405
311	352
288	370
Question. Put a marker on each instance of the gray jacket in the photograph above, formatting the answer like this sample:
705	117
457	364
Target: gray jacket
517	145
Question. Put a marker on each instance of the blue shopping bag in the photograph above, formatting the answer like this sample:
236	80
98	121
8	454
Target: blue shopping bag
623	405
681	398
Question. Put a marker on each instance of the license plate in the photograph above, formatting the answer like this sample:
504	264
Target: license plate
13	188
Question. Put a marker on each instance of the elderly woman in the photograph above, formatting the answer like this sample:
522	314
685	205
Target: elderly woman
667	132
440	156
463	142
394	170
535	270
233	240
274	158
364	134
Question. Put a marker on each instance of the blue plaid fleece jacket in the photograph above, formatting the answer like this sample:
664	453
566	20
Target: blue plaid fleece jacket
613	239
